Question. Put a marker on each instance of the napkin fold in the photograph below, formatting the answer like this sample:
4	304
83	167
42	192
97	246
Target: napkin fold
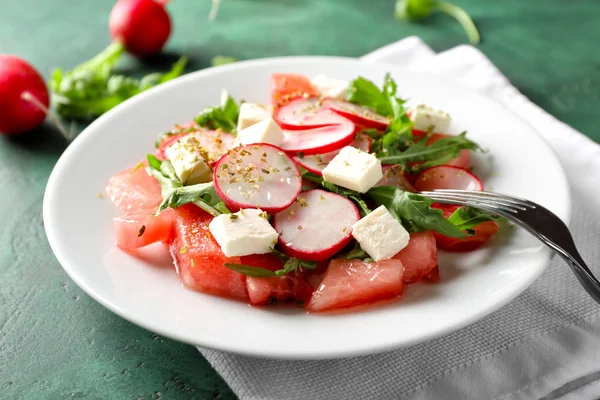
543	345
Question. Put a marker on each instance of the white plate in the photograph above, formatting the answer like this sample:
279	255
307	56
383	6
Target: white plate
149	294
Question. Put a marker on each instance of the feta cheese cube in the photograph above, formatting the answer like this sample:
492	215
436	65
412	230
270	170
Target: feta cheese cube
186	155
354	169
243	233
428	119
380	234
330	87
266	131
251	113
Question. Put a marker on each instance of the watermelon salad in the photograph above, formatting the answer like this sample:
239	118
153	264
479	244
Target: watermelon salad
311	200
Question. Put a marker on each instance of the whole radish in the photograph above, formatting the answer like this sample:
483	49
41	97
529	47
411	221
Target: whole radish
23	96
143	26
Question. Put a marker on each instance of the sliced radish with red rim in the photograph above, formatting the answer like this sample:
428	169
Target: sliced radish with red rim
447	177
257	176
214	143
317	225
303	113
316	163
320	140
358	114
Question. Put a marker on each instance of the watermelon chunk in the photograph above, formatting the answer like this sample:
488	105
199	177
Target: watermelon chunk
349	283
419	257
483	232
134	190
137	194
286	87
278	289
142	229
199	259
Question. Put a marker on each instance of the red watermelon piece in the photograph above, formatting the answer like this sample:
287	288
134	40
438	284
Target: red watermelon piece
137	194
349	283
483	232
199	259
286	87
278	289
142	229
419	257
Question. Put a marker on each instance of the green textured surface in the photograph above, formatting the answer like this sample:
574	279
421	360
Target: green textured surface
55	342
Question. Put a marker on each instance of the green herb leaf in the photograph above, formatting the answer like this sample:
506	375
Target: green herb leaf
363	92
91	89
415	10
222	60
175	194
414	211
468	218
224	117
437	153
248	270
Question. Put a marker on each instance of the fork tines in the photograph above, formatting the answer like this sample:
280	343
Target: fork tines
492	202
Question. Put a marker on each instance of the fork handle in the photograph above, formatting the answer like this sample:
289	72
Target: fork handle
582	272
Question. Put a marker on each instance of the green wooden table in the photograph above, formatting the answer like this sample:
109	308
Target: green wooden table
55	341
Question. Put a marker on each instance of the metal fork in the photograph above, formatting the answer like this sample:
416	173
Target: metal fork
539	221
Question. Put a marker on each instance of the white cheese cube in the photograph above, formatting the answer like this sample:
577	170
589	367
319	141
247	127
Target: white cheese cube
330	87
380	234
353	169
266	131
243	233
186	155
428	119
251	113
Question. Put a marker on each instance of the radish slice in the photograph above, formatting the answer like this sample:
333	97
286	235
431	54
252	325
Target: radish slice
360	115
214	143
320	140
257	176
317	225
394	175
303	113
447	177
318	162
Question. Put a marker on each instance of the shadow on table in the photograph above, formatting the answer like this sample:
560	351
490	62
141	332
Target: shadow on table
46	138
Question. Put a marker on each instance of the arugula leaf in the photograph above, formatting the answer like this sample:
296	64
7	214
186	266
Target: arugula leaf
175	194
249	270
90	89
222	60
437	153
224	117
414	211
292	264
468	217
363	92
353	195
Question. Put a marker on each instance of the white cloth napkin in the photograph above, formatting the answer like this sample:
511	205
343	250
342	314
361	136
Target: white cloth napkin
544	344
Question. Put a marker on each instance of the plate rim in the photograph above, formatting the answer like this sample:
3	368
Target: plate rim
52	234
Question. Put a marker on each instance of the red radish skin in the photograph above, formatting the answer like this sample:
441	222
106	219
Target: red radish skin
316	226
257	176
447	177
350	283
483	232
286	87
319	140
24	96
357	114
394	175
419	258
143	26
317	163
